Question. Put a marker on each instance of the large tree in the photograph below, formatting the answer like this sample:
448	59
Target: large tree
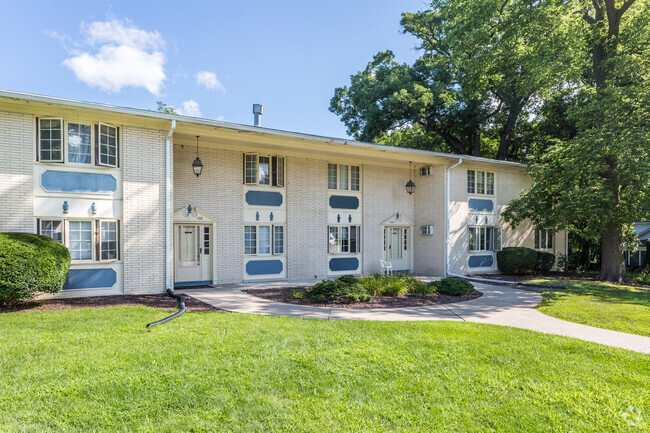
597	183
481	73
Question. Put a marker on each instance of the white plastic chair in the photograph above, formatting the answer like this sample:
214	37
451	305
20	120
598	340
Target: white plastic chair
386	267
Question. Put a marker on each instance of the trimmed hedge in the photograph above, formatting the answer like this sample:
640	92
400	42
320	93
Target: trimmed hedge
346	287
453	286
30	264
521	260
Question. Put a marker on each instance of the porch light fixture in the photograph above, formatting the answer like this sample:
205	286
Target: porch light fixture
197	165
410	186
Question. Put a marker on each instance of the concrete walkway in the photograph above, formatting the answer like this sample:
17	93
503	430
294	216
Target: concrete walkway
499	305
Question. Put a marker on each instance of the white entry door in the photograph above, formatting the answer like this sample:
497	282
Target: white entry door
396	247
193	254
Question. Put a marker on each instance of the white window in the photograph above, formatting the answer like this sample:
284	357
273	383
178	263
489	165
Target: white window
108	236
480	182
263	240
80	240
344	239
343	177
52	229
543	239
50	140
263	170
79	143
484	239
108	144
426	171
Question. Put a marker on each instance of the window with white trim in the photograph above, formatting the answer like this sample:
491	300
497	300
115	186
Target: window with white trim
77	142
484	239
344	239
107	145
343	177
543	239
263	240
480	182
50	140
426	171
52	229
87	240
263	169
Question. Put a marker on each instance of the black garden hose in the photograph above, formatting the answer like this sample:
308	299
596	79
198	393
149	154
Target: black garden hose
181	302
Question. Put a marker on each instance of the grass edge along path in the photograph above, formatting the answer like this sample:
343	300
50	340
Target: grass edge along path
602	305
100	370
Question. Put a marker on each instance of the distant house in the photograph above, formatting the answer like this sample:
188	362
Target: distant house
118	187
638	257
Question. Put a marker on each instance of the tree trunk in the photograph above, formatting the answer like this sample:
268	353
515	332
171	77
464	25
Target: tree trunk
612	267
508	129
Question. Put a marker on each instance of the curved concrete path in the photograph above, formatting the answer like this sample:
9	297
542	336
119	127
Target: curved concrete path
499	305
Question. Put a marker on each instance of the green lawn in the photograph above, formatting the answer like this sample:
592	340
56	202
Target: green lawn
100	370
609	306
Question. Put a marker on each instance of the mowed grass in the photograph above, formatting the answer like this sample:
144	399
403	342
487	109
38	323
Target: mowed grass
609	306
101	370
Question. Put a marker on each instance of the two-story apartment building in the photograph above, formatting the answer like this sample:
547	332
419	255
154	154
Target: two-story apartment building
118	187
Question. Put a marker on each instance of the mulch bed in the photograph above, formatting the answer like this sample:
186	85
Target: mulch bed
283	294
157	301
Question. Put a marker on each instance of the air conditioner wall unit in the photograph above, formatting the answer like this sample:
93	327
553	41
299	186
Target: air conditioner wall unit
426	230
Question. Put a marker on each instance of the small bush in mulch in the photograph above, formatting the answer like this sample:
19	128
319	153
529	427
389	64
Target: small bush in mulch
346	287
392	285
453	286
29	265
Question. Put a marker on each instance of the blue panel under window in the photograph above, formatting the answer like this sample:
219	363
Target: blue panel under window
481	261
263	198
264	267
344	264
67	181
344	202
480	205
90	279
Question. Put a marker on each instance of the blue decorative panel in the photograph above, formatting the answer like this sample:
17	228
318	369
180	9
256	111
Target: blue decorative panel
480	205
264	267
67	181
481	261
344	202
90	279
263	198
192	283
344	264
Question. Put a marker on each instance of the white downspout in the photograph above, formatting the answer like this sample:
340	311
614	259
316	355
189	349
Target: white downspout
168	203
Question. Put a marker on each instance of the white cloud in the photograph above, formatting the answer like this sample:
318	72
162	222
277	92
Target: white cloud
126	56
189	108
209	80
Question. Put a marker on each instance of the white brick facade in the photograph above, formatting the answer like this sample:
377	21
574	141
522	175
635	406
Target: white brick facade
143	159
17	137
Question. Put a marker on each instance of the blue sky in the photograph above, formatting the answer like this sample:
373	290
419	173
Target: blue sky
214	58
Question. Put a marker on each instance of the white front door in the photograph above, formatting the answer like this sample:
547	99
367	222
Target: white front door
396	247
193	251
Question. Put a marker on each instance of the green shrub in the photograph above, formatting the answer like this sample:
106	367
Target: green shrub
640	277
545	262
297	294
453	286
517	260
30	264
391	285
424	289
346	287
395	288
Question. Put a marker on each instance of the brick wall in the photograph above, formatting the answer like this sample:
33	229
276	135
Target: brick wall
219	193
17	141
143	162
307	207
430	210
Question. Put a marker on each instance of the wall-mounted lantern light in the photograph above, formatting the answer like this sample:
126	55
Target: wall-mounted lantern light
93	208
410	186
66	206
197	165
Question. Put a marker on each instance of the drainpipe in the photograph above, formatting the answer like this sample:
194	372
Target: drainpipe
168	204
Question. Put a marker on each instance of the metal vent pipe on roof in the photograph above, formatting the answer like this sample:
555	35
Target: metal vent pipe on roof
257	111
